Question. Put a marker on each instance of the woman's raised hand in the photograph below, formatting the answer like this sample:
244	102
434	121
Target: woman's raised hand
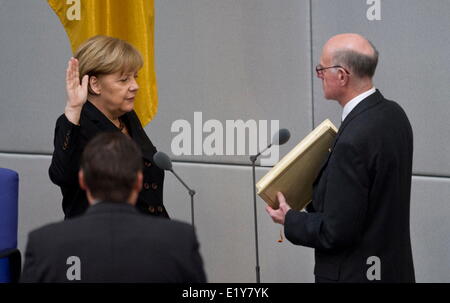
76	92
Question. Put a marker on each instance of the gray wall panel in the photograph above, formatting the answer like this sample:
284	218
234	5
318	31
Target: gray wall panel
33	57
225	226
223	217
413	39
224	221
39	199
430	229
229	59
224	212
280	262
232	60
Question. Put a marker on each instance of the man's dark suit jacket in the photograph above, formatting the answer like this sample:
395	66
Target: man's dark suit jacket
361	199
114	243
69	143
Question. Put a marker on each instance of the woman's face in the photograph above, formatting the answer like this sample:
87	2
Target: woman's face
117	92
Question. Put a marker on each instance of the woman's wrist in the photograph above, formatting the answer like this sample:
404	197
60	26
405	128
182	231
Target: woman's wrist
73	114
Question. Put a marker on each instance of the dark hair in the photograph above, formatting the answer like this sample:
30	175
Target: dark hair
360	64
110	163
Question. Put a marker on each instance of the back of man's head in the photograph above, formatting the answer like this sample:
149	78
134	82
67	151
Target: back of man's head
355	53
110	165
361	65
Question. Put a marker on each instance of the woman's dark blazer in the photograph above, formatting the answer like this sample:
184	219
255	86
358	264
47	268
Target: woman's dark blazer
69	143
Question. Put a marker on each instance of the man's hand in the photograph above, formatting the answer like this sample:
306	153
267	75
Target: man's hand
278	215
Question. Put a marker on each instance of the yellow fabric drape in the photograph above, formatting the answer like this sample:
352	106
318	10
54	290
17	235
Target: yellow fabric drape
129	20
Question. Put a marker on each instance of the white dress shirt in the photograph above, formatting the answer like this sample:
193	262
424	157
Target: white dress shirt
355	101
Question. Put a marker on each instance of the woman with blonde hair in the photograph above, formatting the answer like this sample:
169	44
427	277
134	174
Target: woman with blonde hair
101	88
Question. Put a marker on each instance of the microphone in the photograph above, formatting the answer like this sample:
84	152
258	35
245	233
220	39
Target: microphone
279	138
163	162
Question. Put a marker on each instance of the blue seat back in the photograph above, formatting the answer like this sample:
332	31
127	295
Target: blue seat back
9	191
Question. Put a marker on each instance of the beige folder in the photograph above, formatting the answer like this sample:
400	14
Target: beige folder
295	173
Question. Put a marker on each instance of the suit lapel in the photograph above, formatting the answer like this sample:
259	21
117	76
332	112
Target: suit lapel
102	124
364	105
138	135
94	115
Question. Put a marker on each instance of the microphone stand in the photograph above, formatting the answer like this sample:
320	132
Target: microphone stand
191	193
253	159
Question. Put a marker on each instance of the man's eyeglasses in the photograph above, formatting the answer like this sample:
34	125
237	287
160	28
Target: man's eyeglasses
320	69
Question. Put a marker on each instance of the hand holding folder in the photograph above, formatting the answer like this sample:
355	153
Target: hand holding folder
279	214
295	173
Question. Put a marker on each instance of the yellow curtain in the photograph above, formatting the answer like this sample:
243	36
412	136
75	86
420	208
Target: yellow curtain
130	20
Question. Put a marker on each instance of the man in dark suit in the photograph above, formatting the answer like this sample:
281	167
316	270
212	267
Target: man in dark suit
112	241
359	218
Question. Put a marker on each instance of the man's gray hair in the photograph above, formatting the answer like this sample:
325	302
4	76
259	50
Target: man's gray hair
359	64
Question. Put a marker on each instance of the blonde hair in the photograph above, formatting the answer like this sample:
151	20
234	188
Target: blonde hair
102	55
